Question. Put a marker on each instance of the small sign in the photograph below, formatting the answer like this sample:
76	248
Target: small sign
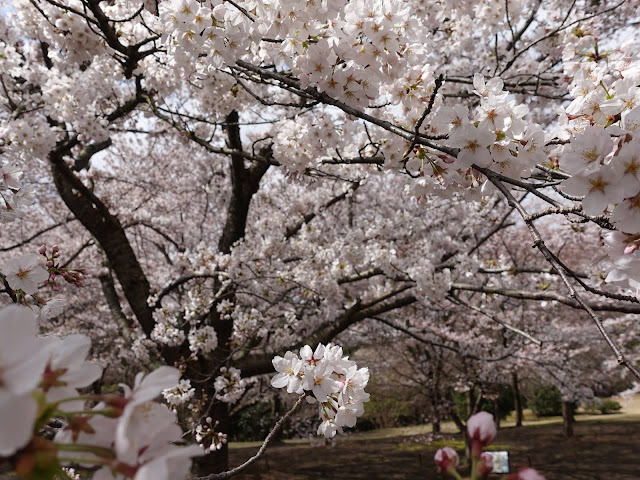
500	461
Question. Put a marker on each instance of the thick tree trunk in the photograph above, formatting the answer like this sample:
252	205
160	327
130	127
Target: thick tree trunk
436	396
517	398
107	230
567	418
245	182
471	401
456	419
218	460
435	425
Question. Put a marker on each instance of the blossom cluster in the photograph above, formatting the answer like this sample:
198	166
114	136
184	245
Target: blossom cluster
181	393
600	130
330	379
208	437
229	386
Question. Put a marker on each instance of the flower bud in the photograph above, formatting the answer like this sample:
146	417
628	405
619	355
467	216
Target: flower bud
55	249
49	264
481	431
42	250
446	459
485	465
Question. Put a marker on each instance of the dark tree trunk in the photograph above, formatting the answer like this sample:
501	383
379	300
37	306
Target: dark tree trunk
109	232
218	460
245	181
568	418
435	426
435	395
471	401
517	398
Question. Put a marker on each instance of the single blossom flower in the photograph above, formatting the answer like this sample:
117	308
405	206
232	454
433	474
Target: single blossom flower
24	273
67	370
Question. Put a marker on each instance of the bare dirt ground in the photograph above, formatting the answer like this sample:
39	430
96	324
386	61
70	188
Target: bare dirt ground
603	447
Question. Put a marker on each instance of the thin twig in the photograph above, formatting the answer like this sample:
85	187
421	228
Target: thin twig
459	301
276	428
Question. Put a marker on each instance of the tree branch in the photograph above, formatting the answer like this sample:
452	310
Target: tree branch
276	428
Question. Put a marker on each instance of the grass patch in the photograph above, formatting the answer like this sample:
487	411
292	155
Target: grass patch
411	447
455	444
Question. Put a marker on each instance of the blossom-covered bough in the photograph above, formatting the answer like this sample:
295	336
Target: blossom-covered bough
246	178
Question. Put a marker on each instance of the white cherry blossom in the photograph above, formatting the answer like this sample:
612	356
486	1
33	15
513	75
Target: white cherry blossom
24	273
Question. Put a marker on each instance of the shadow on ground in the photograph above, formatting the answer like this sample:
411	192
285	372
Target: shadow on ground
598	451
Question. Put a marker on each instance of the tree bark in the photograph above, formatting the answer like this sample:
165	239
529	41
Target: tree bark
517	398
435	393
567	418
245	182
218	460
108	231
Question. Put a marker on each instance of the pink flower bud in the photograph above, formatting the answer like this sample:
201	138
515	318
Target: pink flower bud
526	473
49	264
42	250
481	431
446	459
55	249
485	465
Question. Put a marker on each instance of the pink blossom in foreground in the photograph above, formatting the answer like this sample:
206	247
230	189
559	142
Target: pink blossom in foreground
67	369
481	430
485	465
21	366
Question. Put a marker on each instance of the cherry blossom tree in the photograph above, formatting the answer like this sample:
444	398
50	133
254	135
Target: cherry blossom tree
230	181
